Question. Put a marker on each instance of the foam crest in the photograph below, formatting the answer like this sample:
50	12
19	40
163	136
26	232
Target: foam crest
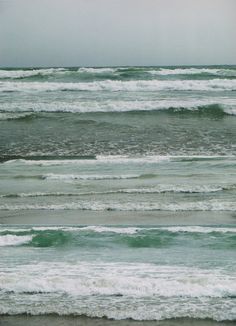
123	279
14	116
199	229
14	240
121	230
163	188
100	159
210	205
15	74
211	106
226	105
115	85
97	70
38	194
68	177
194	71
118	159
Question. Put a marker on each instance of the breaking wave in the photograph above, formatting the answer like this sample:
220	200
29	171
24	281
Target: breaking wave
194	71
208	106
18	74
83	288
117	85
118	229
119	71
111	159
160	189
67	177
210	205
14	240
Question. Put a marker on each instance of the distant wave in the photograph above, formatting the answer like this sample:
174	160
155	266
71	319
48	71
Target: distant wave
117	85
207	205
25	73
194	71
118	71
97	70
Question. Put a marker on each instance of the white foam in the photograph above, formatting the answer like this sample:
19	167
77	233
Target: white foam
193	71
184	188
112	159
119	159
93	228
199	229
210	205
127	279
24	73
15	74
97	70
39	194
65	177
119	230
114	85
227	105
14	240
122	230
13	116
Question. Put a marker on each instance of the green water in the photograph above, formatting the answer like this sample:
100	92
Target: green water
117	192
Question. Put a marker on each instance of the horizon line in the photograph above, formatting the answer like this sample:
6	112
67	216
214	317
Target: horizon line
114	66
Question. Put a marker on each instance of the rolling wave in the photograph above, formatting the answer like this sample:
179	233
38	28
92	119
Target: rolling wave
160	189
194	71
97	70
99	159
209	106
117	85
120	71
132	237
26	73
14	240
67	177
207	205
111	159
16	116
127	230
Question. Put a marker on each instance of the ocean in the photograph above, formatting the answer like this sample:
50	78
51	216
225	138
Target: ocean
117	196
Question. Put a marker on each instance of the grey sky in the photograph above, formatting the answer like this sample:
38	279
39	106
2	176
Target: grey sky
117	32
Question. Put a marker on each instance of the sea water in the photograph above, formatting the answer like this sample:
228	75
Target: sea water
117	192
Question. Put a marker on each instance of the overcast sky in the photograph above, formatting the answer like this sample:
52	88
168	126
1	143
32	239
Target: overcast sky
117	32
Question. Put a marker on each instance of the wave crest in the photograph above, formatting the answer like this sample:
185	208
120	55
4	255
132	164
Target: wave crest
118	85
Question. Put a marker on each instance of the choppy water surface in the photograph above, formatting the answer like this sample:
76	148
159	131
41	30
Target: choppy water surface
145	140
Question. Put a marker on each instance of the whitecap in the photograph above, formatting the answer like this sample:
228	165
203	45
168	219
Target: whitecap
14	240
